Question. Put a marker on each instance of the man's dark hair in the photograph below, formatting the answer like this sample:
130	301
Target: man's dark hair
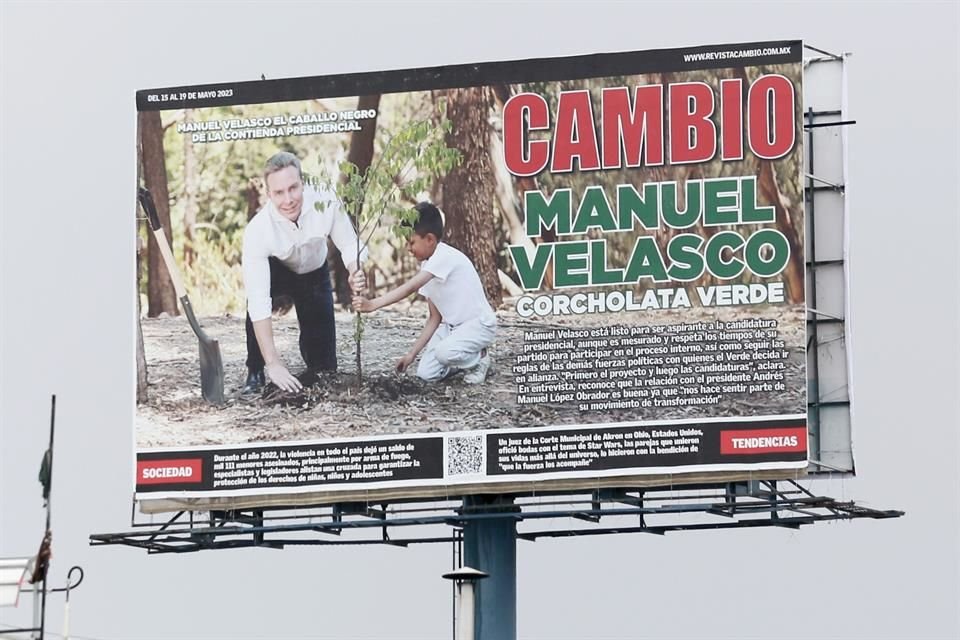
430	220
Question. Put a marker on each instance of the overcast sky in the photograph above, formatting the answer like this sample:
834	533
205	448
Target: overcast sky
67	143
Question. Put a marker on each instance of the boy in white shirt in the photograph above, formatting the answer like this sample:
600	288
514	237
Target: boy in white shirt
461	325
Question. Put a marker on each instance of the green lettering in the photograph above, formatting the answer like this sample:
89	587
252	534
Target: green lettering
748	203
531	274
720	202
570	264
631	205
694	204
547	213
594	211
716	264
779	255
598	265
684	253
645	262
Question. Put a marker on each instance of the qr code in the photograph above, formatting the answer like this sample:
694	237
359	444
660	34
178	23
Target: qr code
464	455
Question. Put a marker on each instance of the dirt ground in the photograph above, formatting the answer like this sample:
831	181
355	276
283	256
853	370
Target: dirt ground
387	403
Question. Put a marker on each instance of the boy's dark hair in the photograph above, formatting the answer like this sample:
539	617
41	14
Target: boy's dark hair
430	220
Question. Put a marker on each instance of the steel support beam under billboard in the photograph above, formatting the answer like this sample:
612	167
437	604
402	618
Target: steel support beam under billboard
488	527
658	510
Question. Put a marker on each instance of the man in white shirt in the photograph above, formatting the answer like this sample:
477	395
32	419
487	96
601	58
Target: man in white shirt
285	253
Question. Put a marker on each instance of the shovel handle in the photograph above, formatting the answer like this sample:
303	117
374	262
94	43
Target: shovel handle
146	201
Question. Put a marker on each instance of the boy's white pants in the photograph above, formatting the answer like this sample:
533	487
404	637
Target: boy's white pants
453	348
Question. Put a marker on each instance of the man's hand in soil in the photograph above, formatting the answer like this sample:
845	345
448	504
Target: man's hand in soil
405	362
279	376
363	305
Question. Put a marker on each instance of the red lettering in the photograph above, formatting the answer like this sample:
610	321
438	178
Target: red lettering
523	113
693	136
180	470
575	136
731	119
632	128
770	118
627	131
761	441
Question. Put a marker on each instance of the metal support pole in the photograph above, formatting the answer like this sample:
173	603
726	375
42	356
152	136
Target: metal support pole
464	582
43	595
467	611
814	380
490	545
36	611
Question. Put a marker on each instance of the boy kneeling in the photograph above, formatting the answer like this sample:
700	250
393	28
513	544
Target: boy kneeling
461	324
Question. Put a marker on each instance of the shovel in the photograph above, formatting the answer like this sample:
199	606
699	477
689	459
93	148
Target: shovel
211	364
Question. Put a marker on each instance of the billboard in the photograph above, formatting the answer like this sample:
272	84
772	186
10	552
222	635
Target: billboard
533	275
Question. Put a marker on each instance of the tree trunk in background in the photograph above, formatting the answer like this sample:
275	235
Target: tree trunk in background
510	189
141	356
507	196
252	196
468	190
360	154
190	206
142	396
769	192
160	294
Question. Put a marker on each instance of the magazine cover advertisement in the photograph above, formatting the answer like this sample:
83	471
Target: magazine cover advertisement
511	276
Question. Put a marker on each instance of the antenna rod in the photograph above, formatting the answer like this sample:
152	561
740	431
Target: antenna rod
43	596
53	413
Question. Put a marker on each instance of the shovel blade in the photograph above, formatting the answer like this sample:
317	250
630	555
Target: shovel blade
211	371
211	364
